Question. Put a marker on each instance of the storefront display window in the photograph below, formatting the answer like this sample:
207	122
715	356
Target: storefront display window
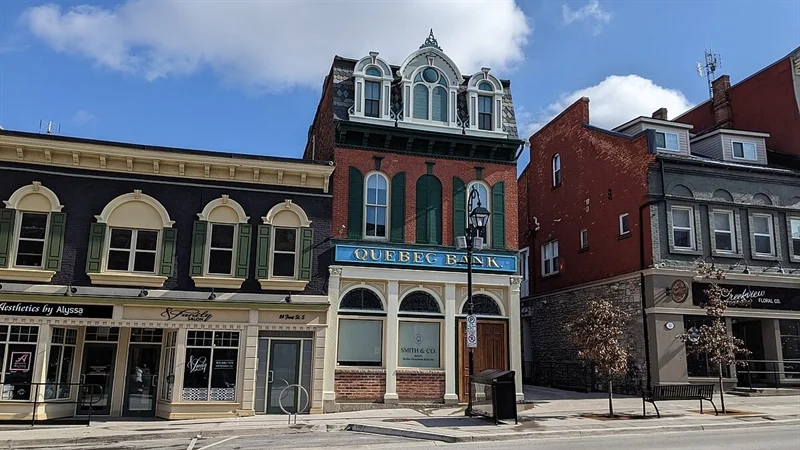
211	363
59	366
790	346
169	366
419	345
698	365
360	342
18	349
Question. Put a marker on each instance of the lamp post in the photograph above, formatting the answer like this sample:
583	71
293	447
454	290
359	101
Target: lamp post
478	218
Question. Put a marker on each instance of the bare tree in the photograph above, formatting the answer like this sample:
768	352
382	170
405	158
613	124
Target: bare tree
597	333
712	339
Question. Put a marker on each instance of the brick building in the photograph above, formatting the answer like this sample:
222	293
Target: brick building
170	280
410	143
625	214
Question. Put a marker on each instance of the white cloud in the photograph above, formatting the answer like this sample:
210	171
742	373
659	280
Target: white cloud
82	117
277	44
591	12
612	102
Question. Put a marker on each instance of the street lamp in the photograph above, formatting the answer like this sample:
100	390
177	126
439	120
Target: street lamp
478	218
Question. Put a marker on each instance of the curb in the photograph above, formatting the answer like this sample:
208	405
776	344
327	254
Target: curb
113	439
452	439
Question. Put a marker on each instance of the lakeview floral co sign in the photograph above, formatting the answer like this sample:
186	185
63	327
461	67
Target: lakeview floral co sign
760	297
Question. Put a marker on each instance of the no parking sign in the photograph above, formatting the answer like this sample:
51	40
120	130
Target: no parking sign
472	332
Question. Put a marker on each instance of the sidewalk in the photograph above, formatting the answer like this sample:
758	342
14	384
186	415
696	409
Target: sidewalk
553	413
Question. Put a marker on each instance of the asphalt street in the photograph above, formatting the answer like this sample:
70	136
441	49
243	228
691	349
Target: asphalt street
766	438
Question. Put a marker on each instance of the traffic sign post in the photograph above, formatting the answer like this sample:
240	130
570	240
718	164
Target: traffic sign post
472	332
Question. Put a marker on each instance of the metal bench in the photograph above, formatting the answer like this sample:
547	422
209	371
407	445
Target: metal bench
678	392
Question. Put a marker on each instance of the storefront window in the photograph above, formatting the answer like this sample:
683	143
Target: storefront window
360	342
211	362
17	348
419	345
698	365
169	366
59	366
790	346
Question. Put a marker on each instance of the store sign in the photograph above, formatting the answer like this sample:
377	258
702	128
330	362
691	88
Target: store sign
196	364
760	297
191	315
20	362
423	259
56	310
225	364
419	344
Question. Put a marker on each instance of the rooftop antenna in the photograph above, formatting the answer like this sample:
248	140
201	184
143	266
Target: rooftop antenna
712	63
49	128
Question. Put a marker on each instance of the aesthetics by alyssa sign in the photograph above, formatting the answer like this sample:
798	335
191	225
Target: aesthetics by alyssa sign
425	259
56	310
760	297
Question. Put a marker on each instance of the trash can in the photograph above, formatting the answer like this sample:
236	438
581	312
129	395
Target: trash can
493	395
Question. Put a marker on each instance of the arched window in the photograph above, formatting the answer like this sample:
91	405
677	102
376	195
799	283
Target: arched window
372	92
420	302
485	106
374	72
556	170
376	203
485	199
361	299
430	95
360	338
482	305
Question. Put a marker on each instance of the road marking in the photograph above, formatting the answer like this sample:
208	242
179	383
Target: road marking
218	442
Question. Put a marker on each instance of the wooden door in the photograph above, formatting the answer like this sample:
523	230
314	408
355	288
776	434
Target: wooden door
492	352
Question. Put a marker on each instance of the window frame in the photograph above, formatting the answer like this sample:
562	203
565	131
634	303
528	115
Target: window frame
556	170
61	348
5	345
168	372
209	248
18	237
553	259
368	205
792	255
132	250
621	220
692	228
273	250
360	318
771	235
524	269
677	141
430	87
584	238
483	114
376	81
213	347
413	320
744	152
486	202
732	232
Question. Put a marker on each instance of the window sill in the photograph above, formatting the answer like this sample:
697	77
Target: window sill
766	257
275	284
624	236
20	274
583	250
218	282
553	188
679	251
127	279
550	275
717	254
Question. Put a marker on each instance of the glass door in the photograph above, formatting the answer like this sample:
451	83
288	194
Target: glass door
97	376
141	387
284	370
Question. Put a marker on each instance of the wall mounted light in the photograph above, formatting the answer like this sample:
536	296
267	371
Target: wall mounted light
739	263
288	298
213	295
773	264
70	290
142	293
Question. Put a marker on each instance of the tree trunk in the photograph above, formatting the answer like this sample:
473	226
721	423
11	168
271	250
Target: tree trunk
721	390
610	398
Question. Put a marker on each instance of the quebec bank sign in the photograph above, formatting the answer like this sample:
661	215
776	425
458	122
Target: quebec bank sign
424	259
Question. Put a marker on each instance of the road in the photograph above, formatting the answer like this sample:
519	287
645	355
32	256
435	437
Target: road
766	438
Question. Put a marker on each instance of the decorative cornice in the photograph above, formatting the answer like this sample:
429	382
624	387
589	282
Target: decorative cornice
121	159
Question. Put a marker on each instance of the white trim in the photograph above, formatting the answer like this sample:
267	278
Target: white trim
344	293
34	188
296	253
208	248
623	232
367	205
744	151
287	204
732	231
677	141
135	196
132	251
751	134
416	276
771	235
650	120
555	159
692	228
553	246
17	236
456	73
584	242
223	201
499	303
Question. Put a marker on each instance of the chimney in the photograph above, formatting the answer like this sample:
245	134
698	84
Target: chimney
721	102
661	114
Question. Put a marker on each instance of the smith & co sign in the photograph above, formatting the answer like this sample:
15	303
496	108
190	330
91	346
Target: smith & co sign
760	297
424	259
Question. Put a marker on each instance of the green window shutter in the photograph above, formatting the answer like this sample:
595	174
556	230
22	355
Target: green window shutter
306	253
422	210
169	241
262	252
243	250
6	234
55	244
434	210
459	208
355	205
199	232
398	213
499	215
94	254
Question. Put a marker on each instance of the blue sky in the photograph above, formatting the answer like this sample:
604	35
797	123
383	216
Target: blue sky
246	76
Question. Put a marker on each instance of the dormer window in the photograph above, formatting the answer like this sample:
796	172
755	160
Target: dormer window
430	95
485	106
372	79
744	150
667	141
372	92
484	103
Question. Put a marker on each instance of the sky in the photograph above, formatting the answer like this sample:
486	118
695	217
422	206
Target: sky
246	76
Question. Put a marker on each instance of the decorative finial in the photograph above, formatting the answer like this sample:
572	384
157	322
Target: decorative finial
431	42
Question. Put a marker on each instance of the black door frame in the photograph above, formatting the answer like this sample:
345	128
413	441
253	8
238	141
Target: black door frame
270	365
98	346
153	380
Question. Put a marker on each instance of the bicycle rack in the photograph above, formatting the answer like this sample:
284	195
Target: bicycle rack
280	402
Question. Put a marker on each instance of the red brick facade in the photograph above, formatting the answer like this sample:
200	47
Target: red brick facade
414	166
360	385
605	169
321	133
420	385
765	102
